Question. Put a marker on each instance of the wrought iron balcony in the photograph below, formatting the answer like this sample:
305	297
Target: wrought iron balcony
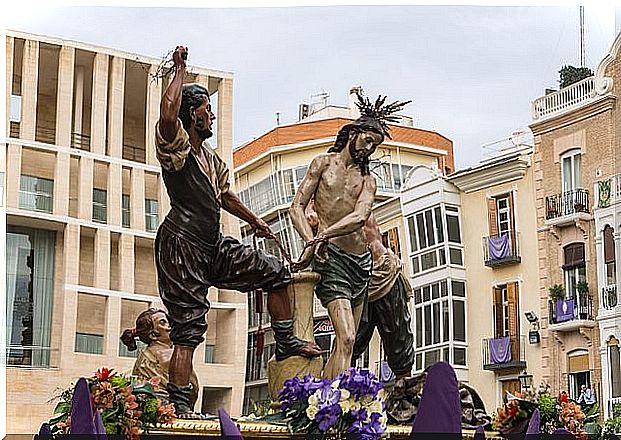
572	313
502	249
610	300
503	353
567	205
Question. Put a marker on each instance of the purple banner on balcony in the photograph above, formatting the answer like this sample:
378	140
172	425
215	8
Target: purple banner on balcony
500	350
565	310
499	247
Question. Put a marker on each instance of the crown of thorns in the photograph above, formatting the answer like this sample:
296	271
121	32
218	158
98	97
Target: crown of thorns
379	112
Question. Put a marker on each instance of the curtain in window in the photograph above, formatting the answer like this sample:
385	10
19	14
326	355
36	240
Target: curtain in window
14	242
43	291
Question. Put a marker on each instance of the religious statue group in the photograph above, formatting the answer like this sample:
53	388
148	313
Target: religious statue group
361	281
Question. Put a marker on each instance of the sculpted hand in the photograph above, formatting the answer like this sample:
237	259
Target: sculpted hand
321	242
305	259
180	55
261	229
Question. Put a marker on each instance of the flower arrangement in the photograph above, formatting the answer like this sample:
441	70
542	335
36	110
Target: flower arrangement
555	412
351	403
126	406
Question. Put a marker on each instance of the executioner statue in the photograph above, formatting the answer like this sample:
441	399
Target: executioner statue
191	254
342	188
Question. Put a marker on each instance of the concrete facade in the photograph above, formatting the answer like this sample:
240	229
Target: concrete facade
504	180
80	122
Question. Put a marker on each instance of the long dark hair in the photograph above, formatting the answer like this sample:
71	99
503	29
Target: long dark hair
142	331
191	97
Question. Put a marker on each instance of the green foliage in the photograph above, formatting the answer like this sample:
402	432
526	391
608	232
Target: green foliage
611	427
149	414
616	410
582	287
557	292
570	75
119	381
549	412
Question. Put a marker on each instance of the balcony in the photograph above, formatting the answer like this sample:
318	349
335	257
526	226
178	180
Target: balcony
567	207
608	191
570	98
571	314
504	353
609	297
502	249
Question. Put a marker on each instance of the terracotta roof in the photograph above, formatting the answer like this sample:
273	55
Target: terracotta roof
306	131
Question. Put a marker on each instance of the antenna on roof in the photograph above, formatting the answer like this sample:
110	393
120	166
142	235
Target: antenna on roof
277	118
582	53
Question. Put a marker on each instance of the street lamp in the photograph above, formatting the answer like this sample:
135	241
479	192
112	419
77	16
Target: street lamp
526	380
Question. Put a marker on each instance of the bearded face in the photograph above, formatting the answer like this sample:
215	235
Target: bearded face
363	144
203	118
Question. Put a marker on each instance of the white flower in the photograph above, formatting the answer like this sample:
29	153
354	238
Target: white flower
336	384
314	398
344	395
345	405
355	405
375	406
311	411
381	394
383	421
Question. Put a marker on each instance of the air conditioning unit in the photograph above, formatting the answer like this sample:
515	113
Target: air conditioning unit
304	111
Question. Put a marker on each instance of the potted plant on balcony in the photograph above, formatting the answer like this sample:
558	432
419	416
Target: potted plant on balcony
562	308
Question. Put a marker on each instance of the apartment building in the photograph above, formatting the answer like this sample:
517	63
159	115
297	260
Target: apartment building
576	146
499	233
84	197
268	171
607	237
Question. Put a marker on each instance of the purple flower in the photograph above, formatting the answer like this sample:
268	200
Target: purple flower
360	416
360	383
327	417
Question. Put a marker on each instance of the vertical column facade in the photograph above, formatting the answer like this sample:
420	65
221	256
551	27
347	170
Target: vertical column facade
70	303
101	273
126	263
85	189
154	92
10	45
137	199
115	107
64	96
115	193
30	76
113	325
13	173
62	183
100	103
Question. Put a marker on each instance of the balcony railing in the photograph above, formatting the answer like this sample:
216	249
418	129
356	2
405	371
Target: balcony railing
572	309
567	203
614	407
608	191
568	98
501	249
504	352
609	296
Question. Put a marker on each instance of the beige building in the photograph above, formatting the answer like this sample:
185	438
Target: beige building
499	234
268	171
84	197
576	145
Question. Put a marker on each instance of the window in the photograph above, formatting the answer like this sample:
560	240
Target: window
609	255
579	373
615	367
452	224
150	215
100	205
16	108
571	174
90	324
439	323
29	295
36	194
574	267
126	211
503	210
210	354
507	315
390	239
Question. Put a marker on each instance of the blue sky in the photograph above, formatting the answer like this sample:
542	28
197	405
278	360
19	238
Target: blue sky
471	71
